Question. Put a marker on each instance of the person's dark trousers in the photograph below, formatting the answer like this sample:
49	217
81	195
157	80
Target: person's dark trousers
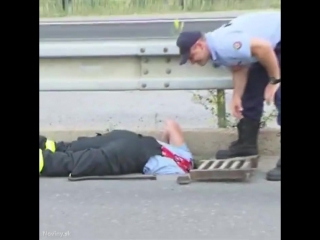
88	162
83	143
248	127
252	103
119	156
275	174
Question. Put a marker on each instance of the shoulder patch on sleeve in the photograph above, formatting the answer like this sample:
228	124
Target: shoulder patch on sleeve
237	45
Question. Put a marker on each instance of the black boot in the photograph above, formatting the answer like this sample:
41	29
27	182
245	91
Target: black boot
275	174
246	145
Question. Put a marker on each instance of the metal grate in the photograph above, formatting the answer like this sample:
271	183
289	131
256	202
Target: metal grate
222	170
231	164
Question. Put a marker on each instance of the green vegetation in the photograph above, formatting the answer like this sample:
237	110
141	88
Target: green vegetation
54	8
214	102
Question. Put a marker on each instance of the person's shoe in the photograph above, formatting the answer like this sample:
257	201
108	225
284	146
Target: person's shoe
41	162
42	142
275	173
246	145
46	144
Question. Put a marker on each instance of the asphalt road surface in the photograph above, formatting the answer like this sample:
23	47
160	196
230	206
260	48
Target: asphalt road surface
111	27
131	110
105	31
96	210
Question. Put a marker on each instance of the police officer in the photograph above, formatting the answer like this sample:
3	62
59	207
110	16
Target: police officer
250	46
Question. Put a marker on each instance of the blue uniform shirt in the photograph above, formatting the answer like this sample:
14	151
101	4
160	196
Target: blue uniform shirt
160	165
230	44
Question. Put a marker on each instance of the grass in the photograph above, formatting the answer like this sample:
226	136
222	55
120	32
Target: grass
54	8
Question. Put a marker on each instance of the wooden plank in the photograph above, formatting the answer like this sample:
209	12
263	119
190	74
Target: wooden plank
117	177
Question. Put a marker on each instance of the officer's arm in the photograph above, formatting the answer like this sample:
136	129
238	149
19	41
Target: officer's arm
264	52
239	77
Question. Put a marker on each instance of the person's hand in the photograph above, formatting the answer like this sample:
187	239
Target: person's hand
269	92
236	107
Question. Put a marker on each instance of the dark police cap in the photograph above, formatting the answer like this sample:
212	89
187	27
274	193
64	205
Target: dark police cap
184	42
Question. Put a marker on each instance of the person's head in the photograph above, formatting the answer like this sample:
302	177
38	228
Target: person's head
193	47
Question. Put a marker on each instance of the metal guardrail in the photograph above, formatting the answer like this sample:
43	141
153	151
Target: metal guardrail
144	65
153	63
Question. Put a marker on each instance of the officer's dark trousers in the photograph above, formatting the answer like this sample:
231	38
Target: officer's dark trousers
253	97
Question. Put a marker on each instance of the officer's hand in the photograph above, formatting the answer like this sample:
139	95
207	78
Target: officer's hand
236	107
270	92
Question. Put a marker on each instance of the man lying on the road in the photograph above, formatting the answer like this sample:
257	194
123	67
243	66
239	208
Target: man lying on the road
115	153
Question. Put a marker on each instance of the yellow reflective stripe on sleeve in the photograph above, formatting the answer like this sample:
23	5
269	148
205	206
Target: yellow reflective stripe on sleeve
41	162
50	145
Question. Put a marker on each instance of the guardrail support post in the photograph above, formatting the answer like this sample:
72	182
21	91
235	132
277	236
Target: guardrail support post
221	109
